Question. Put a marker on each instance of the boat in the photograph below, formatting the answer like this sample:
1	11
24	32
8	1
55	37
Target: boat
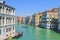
18	35
25	27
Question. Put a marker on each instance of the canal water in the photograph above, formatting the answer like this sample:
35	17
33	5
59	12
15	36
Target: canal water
32	33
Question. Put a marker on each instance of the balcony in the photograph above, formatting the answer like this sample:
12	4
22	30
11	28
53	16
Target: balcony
6	21
7	11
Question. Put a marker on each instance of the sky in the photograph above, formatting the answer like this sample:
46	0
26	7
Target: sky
29	7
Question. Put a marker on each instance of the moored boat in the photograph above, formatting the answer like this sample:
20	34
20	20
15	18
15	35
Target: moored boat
18	35
24	27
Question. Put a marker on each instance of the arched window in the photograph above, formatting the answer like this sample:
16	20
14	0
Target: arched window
0	31
0	8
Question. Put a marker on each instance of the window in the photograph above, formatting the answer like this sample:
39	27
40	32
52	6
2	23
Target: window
6	29
6	8
13	11
0	31
13	20
0	7
40	16
3	7
3	20
13	28
9	9
9	29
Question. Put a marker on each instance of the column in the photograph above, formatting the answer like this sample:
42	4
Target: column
4	20
12	12
5	10
11	20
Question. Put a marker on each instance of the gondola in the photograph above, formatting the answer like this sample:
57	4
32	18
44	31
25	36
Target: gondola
18	35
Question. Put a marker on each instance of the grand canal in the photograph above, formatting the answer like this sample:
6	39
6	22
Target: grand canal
32	33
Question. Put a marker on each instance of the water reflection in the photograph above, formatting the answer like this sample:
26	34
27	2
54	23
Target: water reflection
47	34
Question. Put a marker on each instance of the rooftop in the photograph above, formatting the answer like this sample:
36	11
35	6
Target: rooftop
3	3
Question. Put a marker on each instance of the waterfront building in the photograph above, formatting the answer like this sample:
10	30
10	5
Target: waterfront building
30	20
20	19
7	21
55	11
59	18
16	19
33	20
38	19
49	17
23	20
27	19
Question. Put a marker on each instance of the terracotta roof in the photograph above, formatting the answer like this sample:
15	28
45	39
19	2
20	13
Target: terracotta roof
53	10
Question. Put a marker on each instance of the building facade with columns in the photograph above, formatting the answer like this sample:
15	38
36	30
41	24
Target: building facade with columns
7	21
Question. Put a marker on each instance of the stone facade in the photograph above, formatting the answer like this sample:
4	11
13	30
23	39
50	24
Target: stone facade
7	21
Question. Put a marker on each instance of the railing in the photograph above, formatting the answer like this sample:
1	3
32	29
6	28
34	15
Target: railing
6	25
